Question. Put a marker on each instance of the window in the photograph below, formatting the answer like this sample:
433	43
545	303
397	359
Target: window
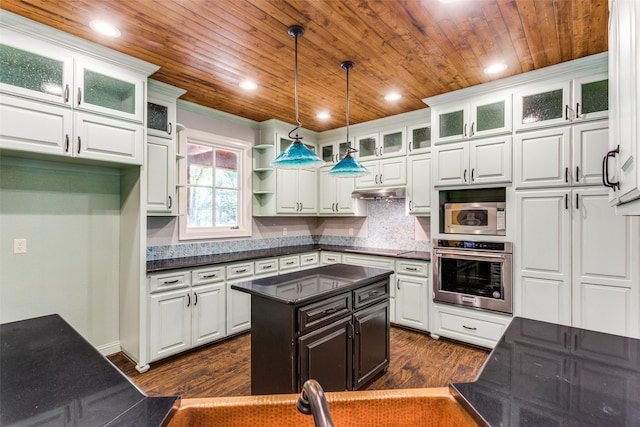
216	187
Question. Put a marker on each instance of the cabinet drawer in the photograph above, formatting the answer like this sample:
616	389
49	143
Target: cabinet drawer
239	270
169	280
323	312
470	326
370	294
307	260
413	268
207	275
329	258
266	267
289	262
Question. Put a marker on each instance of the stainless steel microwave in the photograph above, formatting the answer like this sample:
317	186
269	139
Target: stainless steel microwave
475	218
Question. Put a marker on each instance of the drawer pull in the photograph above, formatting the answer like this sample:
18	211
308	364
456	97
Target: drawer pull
209	276
471	328
265	267
170	282
290	262
372	294
329	310
242	270
411	268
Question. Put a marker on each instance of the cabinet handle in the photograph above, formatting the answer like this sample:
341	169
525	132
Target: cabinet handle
566	201
266	267
289	262
465	175
170	282
577	173
398	284
357	327
300	207
473	124
410	205
170	202
79	99
577	110
170	128
209	276
465	130
195	294
66	93
242	270
605	170
473	170
375	178
577	201
333	207
471	328
566	112
329	310
188	300
566	175
66	143
350	330
380	178
411	268
410	145
79	144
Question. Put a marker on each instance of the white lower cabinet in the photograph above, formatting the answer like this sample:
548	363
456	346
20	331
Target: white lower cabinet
183	318
238	303
576	261
476	327
412	294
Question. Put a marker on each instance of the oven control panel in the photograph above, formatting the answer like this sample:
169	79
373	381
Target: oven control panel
466	244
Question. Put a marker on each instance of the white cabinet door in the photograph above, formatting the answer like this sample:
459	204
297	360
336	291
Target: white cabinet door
327	188
169	323
161	162
296	191
308	191
606	262
539	106
393	171
491	115
412	302
543	243
372	178
53	132
490	160
589	144
419	184
542	158
345	204
208	313
450	164
238	310
111	140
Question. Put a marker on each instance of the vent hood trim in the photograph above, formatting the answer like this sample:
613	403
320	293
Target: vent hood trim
380	193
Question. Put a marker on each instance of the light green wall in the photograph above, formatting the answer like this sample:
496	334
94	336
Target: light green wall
70	216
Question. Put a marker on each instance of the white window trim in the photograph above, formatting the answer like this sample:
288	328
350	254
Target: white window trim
244	177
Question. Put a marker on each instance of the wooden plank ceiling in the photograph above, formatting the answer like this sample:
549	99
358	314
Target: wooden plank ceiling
418	48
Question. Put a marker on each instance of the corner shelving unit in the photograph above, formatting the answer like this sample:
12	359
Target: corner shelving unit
264	180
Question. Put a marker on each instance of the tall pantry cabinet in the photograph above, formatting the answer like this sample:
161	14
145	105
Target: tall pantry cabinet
576	262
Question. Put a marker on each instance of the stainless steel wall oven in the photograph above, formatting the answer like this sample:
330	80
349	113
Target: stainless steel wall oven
473	274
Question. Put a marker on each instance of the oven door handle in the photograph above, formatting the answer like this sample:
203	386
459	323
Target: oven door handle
473	255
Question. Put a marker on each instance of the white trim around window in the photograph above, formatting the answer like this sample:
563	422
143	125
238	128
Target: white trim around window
243	148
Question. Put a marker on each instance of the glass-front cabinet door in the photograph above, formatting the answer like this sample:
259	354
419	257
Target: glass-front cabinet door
393	142
591	97
490	116
103	90
451	123
419	139
543	106
367	146
333	152
38	71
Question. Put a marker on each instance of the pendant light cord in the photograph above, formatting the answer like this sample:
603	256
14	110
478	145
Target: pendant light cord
296	138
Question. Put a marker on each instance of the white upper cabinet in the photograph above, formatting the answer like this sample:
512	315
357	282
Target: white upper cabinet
485	161
161	109
479	117
383	144
335	195
419	139
419	184
562	156
562	102
384	173
623	175
333	152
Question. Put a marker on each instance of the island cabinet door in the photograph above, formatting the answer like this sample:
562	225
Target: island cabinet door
326	356
371	343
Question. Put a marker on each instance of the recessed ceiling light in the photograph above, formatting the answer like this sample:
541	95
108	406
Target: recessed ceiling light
248	85
104	28
323	115
393	97
495	68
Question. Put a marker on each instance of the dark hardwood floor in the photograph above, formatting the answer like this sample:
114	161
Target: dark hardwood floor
224	368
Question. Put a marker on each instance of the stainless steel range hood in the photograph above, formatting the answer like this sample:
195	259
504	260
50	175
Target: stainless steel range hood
380	193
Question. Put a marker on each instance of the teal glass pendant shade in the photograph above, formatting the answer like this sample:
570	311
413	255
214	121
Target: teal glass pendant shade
348	167
297	156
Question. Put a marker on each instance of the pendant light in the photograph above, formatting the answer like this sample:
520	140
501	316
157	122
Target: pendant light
348	167
297	156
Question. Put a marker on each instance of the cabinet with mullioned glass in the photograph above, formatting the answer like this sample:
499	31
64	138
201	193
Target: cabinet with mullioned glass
479	117
84	107
419	139
390	143
563	102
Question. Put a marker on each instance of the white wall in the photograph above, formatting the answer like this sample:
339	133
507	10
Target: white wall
70	216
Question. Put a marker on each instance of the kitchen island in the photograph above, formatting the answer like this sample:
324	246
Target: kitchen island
328	323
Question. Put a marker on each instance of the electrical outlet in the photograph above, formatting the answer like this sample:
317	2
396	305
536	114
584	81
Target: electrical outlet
19	246
350	231
284	231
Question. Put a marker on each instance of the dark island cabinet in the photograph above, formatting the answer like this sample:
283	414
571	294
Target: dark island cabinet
338	337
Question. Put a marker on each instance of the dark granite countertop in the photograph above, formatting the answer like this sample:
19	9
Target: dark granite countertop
312	284
212	259
50	375
543	374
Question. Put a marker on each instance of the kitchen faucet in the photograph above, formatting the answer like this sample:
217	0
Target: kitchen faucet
312	401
